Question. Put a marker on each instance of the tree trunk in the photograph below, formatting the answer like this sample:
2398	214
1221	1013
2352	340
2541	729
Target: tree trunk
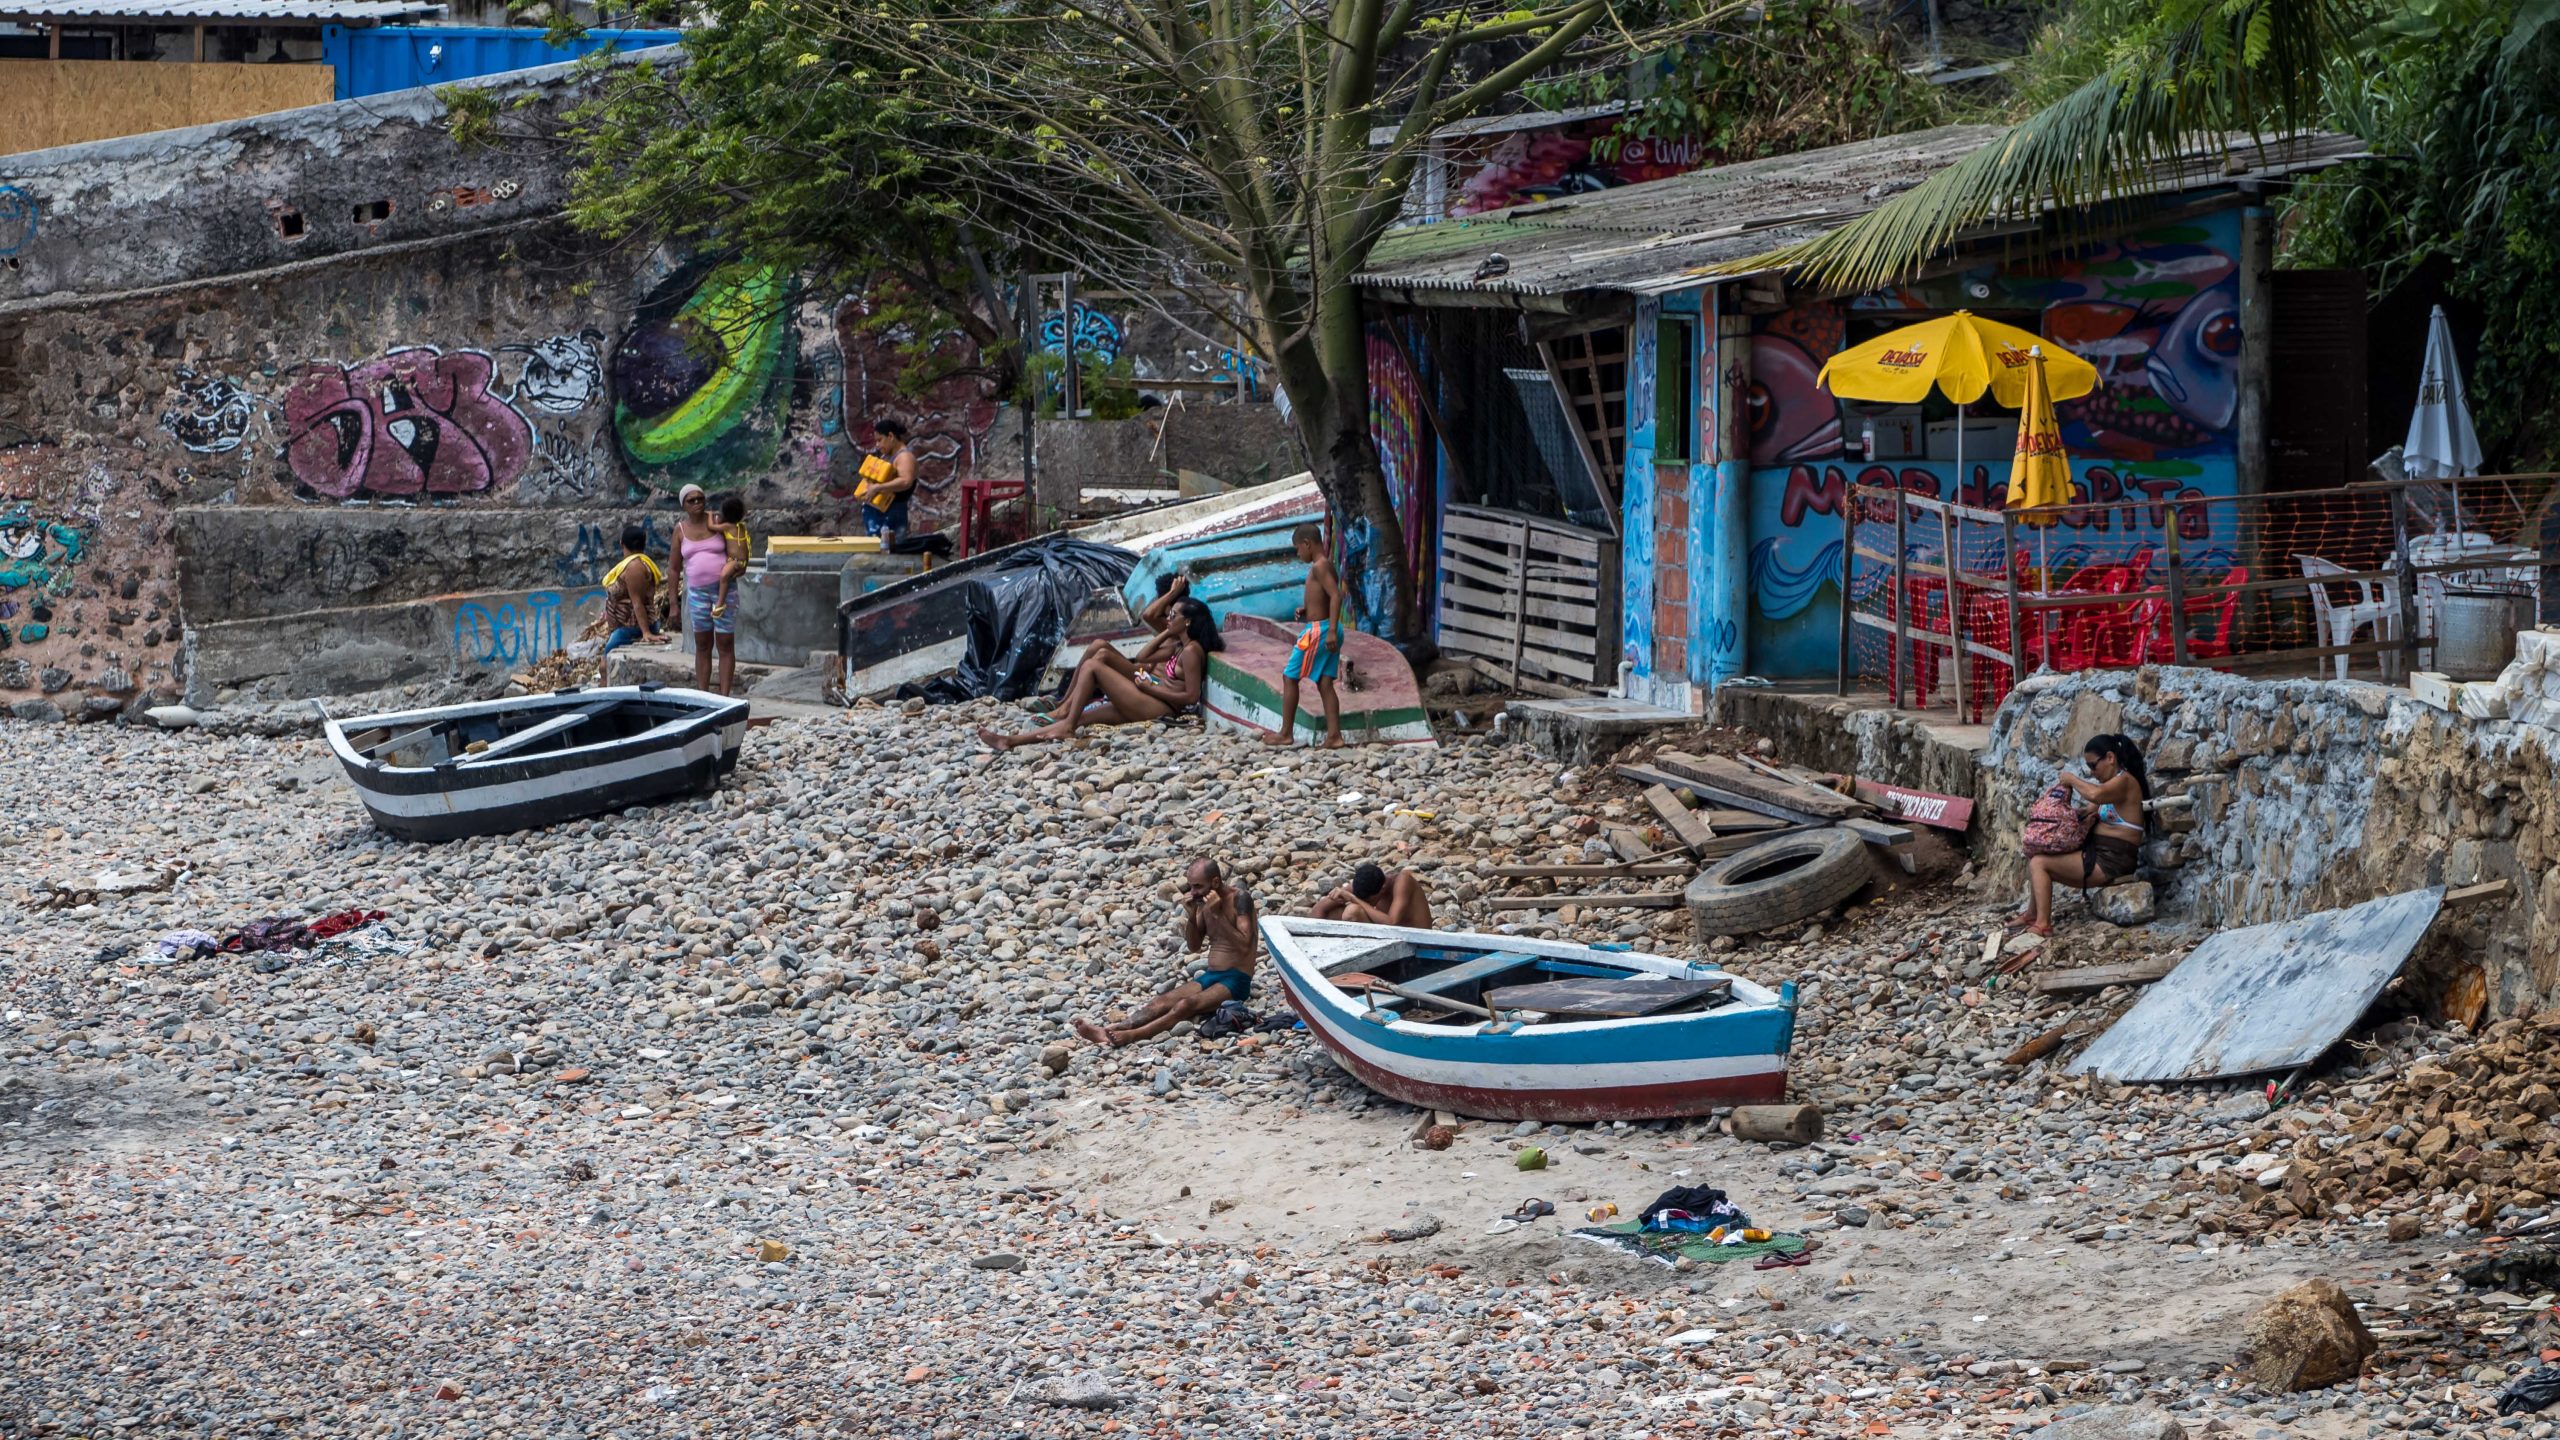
1327	377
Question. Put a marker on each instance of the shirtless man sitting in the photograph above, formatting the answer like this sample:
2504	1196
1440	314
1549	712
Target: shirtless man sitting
1216	914
1375	897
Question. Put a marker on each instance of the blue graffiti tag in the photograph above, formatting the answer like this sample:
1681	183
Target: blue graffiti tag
1097	334
17	219
597	549
516	632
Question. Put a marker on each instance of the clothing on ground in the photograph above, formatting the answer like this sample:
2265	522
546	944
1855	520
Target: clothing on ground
1671	1247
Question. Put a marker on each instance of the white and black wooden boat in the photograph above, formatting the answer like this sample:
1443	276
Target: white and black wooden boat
534	760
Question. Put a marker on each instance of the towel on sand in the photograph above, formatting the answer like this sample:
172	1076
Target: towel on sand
1669	1247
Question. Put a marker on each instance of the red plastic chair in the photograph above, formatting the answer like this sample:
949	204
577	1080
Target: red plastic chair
2221	614
1925	599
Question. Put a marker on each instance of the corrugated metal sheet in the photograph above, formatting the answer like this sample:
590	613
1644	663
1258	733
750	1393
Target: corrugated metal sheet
190	12
1651	238
403	57
2264	999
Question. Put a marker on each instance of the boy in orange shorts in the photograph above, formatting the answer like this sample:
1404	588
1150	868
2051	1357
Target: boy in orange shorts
1319	653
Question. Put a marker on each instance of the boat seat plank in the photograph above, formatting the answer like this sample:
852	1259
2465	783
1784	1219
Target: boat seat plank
567	720
1482	967
1345	954
1607	999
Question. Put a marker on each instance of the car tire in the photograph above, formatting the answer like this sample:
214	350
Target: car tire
1779	882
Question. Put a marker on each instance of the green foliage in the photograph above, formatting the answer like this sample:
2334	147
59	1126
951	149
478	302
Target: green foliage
1805	74
2172	71
773	139
2460	101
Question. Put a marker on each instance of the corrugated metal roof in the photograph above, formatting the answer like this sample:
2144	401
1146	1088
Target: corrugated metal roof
197	12
1646	239
1509	124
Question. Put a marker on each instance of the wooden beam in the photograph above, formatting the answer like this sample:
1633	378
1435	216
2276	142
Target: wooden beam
2100	977
1630	846
1731	776
2475	894
1693	832
1634	869
1634	900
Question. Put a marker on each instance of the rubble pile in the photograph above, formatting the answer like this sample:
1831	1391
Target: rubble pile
2469	1131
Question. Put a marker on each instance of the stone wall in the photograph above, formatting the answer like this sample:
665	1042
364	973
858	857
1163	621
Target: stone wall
2311	795
304	387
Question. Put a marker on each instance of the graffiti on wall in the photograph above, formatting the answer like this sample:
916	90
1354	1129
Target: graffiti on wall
1538	165
949	421
1397	426
417	421
519	632
2156	311
597	548
211	414
38	558
18	219
560	374
702	381
1098	335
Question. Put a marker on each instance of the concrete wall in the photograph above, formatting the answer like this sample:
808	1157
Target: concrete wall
44	103
1241	444
2310	795
307	384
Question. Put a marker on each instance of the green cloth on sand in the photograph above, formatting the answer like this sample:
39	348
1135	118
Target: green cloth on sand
1668	1245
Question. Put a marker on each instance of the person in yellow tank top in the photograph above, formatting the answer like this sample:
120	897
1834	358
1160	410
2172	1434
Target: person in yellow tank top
631	593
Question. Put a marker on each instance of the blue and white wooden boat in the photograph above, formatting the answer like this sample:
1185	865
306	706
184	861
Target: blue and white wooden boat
534	760
1456	1022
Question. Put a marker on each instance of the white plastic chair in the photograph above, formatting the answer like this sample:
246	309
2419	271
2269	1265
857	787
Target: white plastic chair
2380	608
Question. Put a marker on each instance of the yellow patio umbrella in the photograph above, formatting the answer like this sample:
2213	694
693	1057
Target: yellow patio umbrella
1962	355
2039	473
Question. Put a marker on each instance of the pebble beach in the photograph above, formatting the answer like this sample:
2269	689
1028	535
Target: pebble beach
759	1115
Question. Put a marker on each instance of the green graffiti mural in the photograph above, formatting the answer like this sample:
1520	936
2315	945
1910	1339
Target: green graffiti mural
702	383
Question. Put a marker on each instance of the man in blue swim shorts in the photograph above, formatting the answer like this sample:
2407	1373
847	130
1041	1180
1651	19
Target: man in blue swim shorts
1216	915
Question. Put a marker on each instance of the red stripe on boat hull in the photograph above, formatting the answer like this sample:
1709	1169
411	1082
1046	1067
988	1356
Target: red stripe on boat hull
1573	1107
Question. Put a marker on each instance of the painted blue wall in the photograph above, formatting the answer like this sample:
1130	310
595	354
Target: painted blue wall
378	59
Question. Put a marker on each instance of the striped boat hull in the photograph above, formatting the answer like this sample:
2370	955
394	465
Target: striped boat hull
1578	1071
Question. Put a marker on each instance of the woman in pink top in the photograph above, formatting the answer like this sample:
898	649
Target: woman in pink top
701	556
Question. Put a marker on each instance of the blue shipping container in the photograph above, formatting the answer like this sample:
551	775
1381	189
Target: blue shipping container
403	57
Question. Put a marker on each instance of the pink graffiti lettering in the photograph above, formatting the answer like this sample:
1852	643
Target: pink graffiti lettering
415	420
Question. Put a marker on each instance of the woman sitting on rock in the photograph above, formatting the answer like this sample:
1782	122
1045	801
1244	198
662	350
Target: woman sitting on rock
2117	787
1103	695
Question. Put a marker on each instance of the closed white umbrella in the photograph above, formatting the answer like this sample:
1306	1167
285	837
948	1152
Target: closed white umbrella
2441	443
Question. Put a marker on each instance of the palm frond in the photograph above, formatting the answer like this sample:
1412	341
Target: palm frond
2211	68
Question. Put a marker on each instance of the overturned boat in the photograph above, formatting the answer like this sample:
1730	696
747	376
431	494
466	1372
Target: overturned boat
1503	1027
528	761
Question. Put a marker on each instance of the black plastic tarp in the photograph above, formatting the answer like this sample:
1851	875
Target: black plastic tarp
1019	612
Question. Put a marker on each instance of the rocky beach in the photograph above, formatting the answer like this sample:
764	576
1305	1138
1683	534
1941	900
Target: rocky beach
759	1115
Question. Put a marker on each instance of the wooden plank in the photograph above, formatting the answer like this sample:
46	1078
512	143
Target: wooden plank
1507	566
1730	821
1631	900
2099	977
1734	778
1594	998
1693	832
1925	807
1876	832
1643	869
2475	894
1482	524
